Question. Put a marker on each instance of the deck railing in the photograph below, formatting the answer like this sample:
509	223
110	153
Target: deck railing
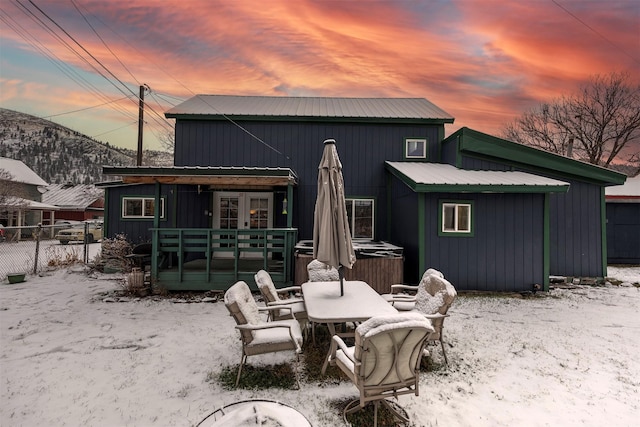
203	258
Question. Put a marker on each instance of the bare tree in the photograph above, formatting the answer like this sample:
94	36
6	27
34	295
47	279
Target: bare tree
167	140
12	194
594	125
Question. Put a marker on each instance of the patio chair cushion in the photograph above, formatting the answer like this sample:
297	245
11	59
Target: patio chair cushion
243	298
263	280
432	272
434	297
385	365
276	339
270	294
321	272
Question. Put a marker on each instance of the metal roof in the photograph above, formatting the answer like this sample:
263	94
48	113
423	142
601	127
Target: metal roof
21	172
436	177
310	107
18	203
533	159
72	196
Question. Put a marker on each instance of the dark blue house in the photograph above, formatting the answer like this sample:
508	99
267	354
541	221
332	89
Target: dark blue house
623	222
489	213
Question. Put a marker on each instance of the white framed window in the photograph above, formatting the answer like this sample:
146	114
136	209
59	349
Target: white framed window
455	218
361	217
415	148
140	207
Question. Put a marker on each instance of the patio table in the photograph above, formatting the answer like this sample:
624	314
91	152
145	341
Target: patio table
360	302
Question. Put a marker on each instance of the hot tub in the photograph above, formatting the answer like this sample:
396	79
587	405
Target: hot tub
380	264
362	248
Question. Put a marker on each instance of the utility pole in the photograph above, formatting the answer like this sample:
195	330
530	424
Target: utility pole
140	125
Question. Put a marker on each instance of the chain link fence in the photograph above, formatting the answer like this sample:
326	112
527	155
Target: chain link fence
33	249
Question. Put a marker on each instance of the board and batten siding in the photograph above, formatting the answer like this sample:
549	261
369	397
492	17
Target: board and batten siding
575	222
576	231
623	233
506	251
363	148
404	228
183	197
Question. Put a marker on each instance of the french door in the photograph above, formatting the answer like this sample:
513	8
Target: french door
241	211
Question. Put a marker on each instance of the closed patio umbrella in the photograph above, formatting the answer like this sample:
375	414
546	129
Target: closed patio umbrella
331	235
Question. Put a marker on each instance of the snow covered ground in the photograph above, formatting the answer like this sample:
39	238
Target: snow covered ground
68	358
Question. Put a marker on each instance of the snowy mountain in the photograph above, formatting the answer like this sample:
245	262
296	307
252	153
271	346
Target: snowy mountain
61	155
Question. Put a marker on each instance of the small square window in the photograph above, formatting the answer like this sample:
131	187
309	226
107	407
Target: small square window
455	219
415	148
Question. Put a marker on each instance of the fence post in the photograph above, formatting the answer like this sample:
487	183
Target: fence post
85	253
35	263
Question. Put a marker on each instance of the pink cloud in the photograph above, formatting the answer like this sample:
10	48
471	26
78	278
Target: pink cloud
484	62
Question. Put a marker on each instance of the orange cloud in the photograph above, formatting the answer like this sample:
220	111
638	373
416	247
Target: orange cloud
484	62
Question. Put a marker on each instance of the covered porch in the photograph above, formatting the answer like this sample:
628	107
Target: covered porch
192	251
214	259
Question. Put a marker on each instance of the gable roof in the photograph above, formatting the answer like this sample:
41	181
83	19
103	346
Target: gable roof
424	177
21	172
488	147
309	108
72	196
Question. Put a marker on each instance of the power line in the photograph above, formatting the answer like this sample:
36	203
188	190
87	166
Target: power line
88	53
595	31
103	42
113	130
84	109
67	70
194	94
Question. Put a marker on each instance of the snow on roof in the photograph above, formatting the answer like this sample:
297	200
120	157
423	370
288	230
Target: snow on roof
21	172
20	203
72	196
631	188
436	174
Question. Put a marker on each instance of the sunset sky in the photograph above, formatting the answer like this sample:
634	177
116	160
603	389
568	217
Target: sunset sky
80	62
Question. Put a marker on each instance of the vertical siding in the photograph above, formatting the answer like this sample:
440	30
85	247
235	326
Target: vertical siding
623	233
575	231
506	251
363	149
135	230
575	224
404	227
480	164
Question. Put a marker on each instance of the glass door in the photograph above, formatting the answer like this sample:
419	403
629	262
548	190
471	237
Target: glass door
241	211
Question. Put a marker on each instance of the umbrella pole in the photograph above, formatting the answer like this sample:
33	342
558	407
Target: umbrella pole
341	275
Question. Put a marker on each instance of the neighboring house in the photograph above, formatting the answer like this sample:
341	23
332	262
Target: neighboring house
75	202
21	195
623	222
243	189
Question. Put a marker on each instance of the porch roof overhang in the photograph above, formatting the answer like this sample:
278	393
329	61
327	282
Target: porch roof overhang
18	203
443	178
212	176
